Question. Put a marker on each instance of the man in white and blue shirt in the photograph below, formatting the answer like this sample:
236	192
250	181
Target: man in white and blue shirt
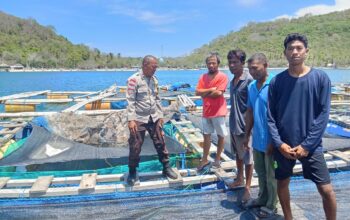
256	120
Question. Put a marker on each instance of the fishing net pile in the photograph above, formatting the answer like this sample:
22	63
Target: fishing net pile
102	131
110	130
71	137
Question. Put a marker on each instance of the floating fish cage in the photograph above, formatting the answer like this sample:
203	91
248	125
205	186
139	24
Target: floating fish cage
38	159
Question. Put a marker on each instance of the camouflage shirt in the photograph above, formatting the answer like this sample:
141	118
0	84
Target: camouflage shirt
143	98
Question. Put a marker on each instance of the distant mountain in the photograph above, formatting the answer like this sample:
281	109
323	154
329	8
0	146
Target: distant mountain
329	40
24	41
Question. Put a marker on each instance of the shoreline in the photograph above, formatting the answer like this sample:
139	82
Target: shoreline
136	69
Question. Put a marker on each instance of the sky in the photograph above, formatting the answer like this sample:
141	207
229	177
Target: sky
158	27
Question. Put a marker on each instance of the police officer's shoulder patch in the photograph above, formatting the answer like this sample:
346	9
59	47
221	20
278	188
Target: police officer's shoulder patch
131	85
156	85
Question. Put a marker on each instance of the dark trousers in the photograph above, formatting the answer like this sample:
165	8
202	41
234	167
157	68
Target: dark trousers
136	141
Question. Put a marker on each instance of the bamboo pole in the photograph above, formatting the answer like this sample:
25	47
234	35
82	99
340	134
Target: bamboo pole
35	114
36	101
106	93
22	95
71	92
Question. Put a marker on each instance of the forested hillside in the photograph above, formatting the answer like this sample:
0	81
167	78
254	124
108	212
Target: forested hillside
24	41
329	40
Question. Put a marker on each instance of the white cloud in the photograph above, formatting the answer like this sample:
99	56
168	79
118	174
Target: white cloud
324	9
320	9
156	19
146	16
159	22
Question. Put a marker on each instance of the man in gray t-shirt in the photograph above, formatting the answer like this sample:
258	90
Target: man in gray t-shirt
239	98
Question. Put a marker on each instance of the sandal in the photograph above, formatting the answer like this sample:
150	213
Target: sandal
251	203
201	168
216	165
265	212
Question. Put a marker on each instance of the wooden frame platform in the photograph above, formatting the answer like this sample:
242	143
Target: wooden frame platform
9	130
186	133
92	183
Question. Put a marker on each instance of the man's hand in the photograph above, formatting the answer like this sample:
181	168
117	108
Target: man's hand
209	91
132	127
269	150
287	151
245	143
161	123
300	152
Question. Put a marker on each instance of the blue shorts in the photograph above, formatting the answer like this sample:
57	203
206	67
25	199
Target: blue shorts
314	167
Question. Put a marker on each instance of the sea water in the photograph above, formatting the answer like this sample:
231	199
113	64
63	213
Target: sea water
16	82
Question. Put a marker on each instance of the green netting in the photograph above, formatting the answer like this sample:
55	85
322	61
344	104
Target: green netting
169	130
182	161
14	146
148	166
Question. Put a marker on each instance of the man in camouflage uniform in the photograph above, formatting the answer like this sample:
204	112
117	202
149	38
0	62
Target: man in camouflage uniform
145	113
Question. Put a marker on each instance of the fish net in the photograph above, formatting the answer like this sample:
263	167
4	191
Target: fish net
72	144
102	131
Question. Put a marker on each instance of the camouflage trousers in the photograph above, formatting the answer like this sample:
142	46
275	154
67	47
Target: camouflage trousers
136	140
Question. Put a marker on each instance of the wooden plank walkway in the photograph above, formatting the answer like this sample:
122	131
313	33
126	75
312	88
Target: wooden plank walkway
341	155
192	137
23	95
96	184
35	114
113	187
41	185
88	182
86	95
13	125
179	177
183	99
186	102
88	100
3	181
9	130
70	92
37	101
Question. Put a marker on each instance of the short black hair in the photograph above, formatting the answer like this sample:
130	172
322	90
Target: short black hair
295	36
147	58
213	54
239	54
258	57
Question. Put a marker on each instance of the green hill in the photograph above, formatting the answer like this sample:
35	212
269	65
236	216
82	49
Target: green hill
26	42
329	40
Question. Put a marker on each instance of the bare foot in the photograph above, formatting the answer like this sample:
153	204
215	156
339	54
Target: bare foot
246	195
236	183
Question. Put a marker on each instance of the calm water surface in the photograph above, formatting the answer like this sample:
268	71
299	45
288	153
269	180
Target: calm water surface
11	83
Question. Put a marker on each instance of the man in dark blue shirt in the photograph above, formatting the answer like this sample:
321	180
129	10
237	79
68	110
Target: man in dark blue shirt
298	110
